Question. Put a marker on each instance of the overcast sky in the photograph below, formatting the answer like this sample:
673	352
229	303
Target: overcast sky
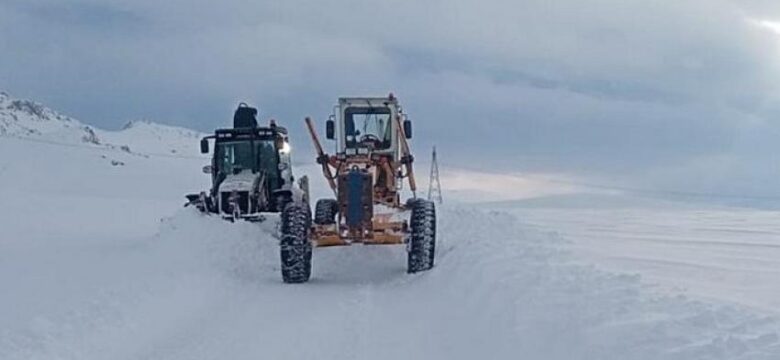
664	94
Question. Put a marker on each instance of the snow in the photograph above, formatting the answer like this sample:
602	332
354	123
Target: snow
26	118
727	254
157	139
34	122
100	261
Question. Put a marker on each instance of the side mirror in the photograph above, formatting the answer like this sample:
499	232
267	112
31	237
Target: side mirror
208	169
408	129
330	129
204	146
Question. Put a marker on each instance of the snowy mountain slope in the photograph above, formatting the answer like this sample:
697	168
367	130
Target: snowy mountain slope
156	139
29	120
26	118
101	262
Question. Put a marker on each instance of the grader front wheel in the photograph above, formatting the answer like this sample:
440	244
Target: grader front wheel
422	242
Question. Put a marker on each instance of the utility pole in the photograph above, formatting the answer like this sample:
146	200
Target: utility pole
434	185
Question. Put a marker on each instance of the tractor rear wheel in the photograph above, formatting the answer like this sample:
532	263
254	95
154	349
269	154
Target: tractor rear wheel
295	247
422	242
325	211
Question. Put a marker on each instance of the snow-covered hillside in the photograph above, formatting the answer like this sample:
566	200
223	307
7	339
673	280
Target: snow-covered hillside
155	139
26	118
99	261
32	121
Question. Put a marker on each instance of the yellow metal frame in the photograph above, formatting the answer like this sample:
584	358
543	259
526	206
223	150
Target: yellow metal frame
385	232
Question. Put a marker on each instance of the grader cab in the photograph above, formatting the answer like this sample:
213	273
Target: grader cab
366	174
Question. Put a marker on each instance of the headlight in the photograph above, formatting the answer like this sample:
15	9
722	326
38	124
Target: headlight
285	148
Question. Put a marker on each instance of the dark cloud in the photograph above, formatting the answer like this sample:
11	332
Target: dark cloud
87	16
654	92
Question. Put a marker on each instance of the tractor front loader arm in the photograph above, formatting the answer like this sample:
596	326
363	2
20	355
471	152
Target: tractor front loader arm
322	158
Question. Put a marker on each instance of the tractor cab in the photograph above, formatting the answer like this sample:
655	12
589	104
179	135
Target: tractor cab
250	168
250	152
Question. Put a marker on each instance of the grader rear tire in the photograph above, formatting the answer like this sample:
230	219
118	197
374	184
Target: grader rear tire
422	243
325	211
295	248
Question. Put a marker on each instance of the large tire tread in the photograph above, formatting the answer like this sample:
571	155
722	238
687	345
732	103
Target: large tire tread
325	212
295	248
422	242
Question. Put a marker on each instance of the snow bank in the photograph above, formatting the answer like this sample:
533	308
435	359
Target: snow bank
203	289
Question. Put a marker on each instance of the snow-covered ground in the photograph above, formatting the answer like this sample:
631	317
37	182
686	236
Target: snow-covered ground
725	254
98	260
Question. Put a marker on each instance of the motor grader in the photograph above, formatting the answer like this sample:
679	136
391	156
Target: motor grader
366	174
